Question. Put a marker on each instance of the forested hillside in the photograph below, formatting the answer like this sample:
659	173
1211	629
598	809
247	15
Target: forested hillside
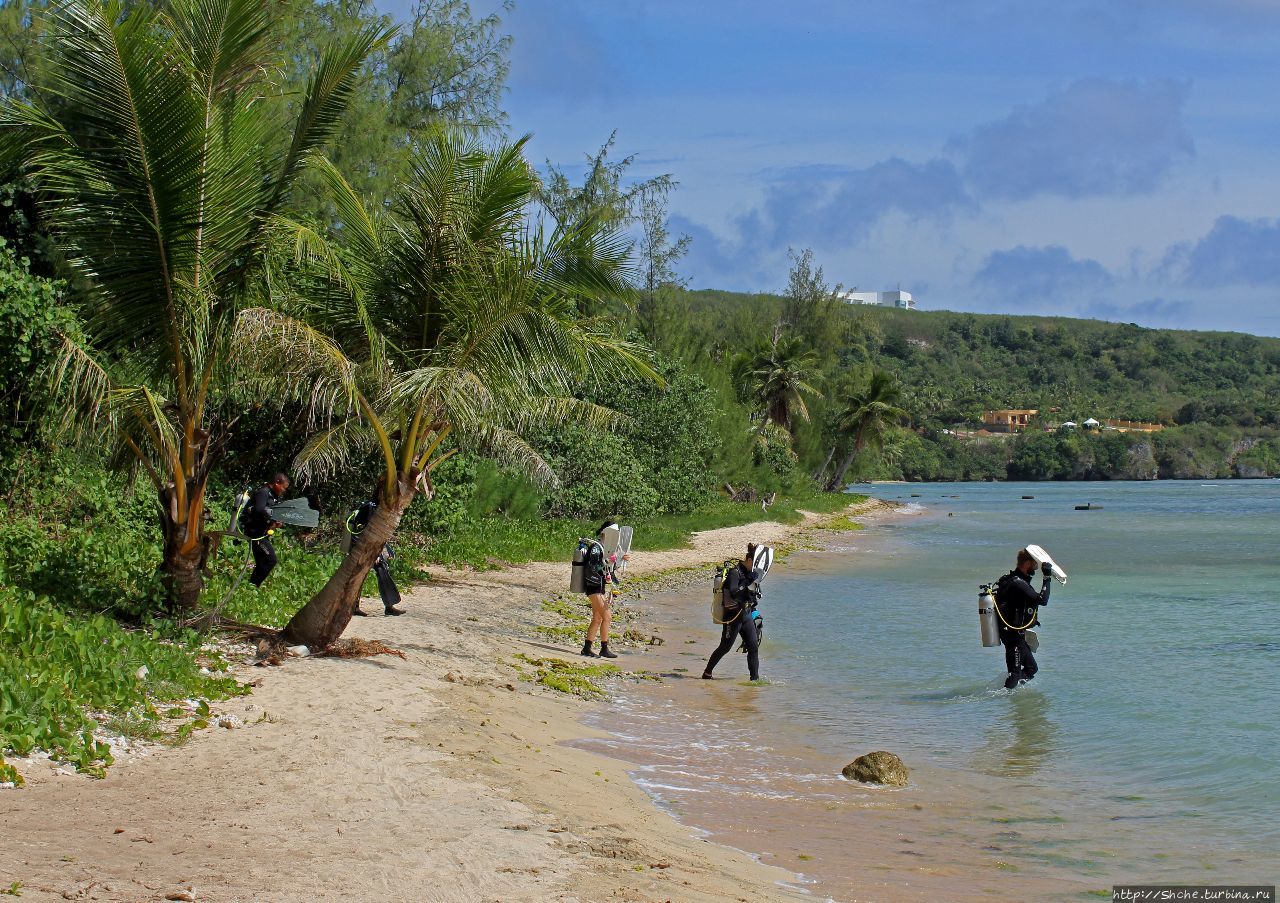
1217	393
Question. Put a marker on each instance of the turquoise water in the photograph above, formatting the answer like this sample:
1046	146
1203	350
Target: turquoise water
1146	749
1160	657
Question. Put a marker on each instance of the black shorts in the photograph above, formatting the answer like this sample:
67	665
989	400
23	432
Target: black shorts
593	587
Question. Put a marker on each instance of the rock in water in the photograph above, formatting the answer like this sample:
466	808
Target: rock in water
877	768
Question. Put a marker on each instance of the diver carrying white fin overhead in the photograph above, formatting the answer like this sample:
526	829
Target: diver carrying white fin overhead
1017	607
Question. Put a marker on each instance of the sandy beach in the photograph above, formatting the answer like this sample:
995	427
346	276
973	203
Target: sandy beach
439	776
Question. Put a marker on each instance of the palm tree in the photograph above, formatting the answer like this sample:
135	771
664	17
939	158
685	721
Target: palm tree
865	416
164	175
460	318
777	376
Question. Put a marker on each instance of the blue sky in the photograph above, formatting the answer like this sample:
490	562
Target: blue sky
1112	159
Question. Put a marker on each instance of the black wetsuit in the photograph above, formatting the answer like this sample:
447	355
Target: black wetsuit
599	574
255	521
387	588
740	595
1017	604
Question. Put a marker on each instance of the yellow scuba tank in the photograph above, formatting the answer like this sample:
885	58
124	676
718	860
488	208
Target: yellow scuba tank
717	592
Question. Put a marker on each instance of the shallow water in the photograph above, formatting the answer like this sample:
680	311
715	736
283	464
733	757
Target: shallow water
1145	750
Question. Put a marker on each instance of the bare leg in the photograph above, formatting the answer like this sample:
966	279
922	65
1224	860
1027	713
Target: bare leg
599	612
606	618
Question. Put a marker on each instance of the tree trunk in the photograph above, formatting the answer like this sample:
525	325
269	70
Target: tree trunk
837	481
185	549
326	615
821	473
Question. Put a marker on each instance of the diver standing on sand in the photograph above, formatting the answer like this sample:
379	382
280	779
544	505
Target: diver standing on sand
356	522
599	579
741	595
1017	604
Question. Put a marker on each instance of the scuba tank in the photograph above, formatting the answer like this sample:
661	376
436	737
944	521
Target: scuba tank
578	572
717	591
987	615
237	508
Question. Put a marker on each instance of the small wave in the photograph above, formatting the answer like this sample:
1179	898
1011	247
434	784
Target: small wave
654	785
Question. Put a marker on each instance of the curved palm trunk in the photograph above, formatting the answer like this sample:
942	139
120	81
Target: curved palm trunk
837	481
820	475
326	615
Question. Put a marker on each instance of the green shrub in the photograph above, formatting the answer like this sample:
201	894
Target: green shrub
599	476
31	320
81	536
55	668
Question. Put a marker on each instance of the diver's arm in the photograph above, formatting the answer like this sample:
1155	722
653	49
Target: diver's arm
1027	595
262	503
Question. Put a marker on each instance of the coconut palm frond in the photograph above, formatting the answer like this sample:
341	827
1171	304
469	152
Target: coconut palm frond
545	411
507	448
462	394
361	230
84	383
331	450
310	248
325	99
296	360
226	45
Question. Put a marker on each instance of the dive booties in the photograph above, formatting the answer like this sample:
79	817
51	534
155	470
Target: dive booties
586	650
604	650
1018	678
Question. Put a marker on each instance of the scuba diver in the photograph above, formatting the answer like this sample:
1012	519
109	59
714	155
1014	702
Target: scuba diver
257	525
741	595
1016	606
599	580
356	522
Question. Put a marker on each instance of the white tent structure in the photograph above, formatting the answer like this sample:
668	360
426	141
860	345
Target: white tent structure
1091	424
1069	425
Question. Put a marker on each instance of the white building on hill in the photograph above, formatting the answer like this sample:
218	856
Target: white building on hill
882	299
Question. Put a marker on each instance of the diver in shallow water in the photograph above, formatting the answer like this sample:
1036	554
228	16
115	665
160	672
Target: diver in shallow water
1017	606
741	595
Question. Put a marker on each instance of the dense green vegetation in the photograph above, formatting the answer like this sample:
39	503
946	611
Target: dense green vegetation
57	667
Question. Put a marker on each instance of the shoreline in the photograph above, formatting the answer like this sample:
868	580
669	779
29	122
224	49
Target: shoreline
442	776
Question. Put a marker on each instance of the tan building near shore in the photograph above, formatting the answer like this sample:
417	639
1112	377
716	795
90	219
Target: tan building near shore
1134	426
1008	420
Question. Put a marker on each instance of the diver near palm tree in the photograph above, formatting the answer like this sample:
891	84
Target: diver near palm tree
357	520
257	524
